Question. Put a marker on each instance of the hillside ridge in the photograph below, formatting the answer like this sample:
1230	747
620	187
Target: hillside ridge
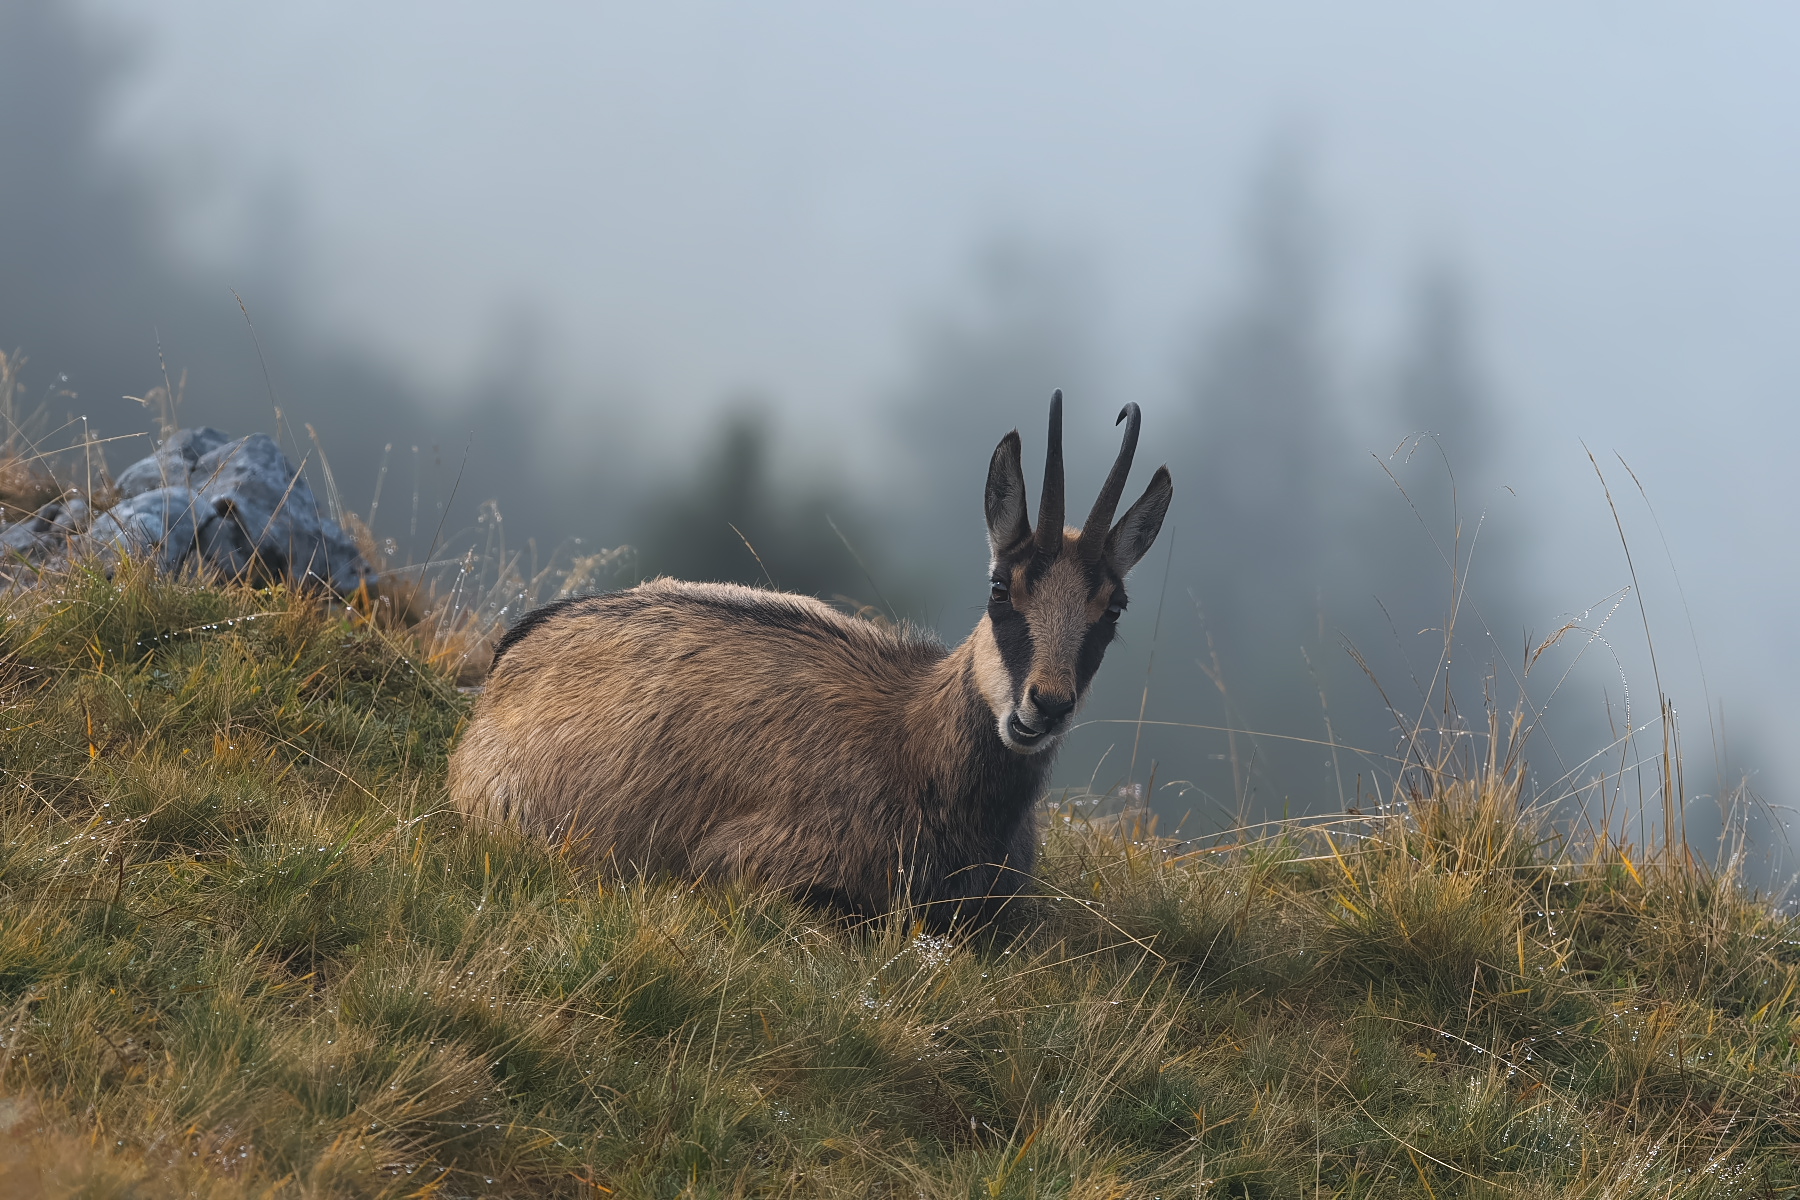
245	951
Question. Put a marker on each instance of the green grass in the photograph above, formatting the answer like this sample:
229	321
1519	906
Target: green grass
245	952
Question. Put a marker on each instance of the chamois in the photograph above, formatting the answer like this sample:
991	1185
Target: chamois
717	731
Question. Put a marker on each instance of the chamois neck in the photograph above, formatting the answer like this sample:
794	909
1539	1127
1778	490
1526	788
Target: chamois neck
954	743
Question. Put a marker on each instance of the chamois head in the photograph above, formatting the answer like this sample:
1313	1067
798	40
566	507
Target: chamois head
1055	595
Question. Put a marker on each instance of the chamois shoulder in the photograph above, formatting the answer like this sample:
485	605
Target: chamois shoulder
674	602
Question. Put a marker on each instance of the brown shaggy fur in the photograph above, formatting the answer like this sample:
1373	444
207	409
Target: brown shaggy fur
723	732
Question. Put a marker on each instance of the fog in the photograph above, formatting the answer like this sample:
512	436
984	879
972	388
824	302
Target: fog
661	272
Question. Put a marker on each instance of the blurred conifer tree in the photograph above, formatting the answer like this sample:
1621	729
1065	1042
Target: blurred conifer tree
731	521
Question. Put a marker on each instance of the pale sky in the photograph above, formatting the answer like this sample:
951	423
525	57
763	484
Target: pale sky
708	198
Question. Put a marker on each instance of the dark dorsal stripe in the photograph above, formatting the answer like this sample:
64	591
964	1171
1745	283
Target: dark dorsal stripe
773	613
530	622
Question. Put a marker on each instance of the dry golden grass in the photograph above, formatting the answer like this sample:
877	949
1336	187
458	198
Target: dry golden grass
245	952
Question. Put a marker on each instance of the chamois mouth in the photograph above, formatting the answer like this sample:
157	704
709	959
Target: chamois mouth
1022	736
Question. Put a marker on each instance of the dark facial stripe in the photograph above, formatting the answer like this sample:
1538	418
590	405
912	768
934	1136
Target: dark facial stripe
1093	648
1012	635
1101	633
1037	567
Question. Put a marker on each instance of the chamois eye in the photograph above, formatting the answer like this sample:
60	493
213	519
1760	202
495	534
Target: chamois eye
1115	608
998	592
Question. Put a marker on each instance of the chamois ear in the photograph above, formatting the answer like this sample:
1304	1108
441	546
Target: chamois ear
1131	538
1007	526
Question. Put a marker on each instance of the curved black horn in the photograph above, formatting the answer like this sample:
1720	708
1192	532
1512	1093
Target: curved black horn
1050	502
1099	522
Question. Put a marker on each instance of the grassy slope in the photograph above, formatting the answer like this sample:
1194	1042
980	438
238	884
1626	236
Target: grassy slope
245	952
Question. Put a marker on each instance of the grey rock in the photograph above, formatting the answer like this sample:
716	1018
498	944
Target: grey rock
173	463
162	524
47	530
23	540
41	540
69	513
202	499
265	522
347	568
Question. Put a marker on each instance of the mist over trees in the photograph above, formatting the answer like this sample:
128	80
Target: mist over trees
1265	543
97	299
1291	627
1290	546
734	520
977	368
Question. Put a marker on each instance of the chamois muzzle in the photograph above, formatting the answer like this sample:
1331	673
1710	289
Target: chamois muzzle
1048	709
1023	736
1041	715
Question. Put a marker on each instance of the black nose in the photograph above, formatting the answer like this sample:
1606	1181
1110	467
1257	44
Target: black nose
1050	709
